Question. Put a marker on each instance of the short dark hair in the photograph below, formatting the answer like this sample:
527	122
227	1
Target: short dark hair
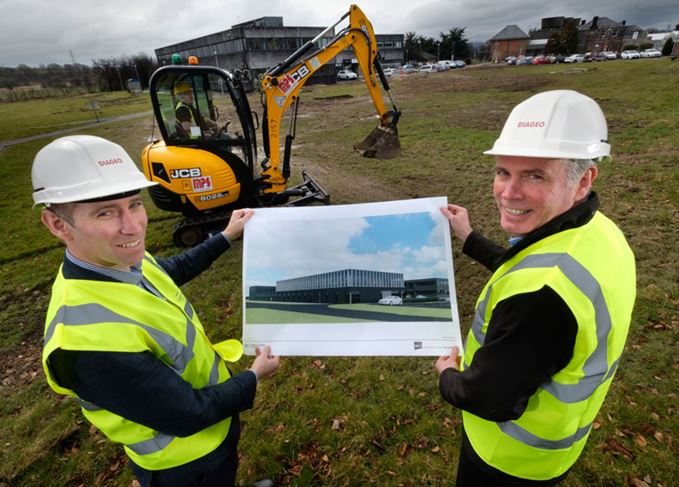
63	211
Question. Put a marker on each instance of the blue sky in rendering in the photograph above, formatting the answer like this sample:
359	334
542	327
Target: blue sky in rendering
389	231
412	244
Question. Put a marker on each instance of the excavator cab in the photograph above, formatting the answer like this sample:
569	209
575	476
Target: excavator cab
205	161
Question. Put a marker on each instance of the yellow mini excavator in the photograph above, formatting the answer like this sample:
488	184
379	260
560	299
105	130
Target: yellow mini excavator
206	163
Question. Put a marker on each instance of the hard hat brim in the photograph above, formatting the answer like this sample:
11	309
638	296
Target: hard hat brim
591	151
79	193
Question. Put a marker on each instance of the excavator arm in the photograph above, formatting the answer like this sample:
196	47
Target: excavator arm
282	84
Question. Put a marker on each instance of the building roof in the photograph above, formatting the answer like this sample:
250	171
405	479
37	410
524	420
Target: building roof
602	23
509	33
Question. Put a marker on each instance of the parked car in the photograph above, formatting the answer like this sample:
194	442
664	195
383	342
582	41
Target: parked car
460	64
575	58
510	60
597	57
556	59
650	53
609	55
408	68
541	60
427	68
629	55
391	301
447	64
389	72
347	74
526	60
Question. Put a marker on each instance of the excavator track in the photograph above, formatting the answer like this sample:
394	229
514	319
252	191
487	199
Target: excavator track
191	231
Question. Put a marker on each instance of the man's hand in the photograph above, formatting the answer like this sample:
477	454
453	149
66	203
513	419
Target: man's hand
265	364
234	229
459	221
446	361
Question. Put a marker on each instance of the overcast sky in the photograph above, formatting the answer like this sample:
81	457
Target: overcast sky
38	32
411	244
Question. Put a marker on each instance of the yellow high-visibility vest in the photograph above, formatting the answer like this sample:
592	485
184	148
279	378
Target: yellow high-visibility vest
90	315
592	269
194	122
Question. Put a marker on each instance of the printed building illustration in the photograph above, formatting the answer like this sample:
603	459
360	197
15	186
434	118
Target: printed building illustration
347	286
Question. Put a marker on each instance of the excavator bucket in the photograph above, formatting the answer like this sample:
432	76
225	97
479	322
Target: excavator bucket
381	143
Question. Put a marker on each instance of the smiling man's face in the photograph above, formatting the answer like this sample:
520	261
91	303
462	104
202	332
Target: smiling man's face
530	191
107	233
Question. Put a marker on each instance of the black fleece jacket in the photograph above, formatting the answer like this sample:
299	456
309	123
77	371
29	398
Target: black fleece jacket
530	336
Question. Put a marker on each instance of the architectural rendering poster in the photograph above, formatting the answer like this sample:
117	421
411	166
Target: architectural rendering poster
368	279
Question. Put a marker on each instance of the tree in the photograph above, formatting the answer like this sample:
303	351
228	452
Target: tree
667	47
144	66
413	46
569	38
107	72
454	44
554	44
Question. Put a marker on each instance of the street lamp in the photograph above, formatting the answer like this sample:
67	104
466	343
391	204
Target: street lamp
138	78
219	79
438	57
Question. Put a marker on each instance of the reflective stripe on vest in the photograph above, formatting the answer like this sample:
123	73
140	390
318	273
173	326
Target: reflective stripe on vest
148	448
86	314
180	355
596	368
192	121
592	269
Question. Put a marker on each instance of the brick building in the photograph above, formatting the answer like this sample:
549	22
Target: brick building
510	41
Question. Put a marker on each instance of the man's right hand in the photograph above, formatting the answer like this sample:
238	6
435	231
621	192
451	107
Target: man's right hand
459	221
265	364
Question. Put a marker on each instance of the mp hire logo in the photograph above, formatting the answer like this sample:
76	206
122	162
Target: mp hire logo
290	80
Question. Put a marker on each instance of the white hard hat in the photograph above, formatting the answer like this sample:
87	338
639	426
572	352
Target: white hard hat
559	124
83	167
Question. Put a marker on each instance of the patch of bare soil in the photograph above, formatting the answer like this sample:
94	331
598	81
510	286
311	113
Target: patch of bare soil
21	365
25	312
446	83
347	186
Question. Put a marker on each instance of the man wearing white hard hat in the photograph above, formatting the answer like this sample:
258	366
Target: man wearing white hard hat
551	323
120	336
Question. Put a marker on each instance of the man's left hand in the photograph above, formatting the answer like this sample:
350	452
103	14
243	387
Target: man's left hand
234	229
446	361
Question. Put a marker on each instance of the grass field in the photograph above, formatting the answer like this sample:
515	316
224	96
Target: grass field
363	421
25	118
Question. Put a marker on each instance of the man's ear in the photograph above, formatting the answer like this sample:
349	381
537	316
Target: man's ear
56	225
585	183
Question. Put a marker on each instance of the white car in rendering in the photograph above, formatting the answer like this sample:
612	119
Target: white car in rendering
391	301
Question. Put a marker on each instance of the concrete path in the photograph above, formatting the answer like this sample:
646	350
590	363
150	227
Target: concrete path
56	133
